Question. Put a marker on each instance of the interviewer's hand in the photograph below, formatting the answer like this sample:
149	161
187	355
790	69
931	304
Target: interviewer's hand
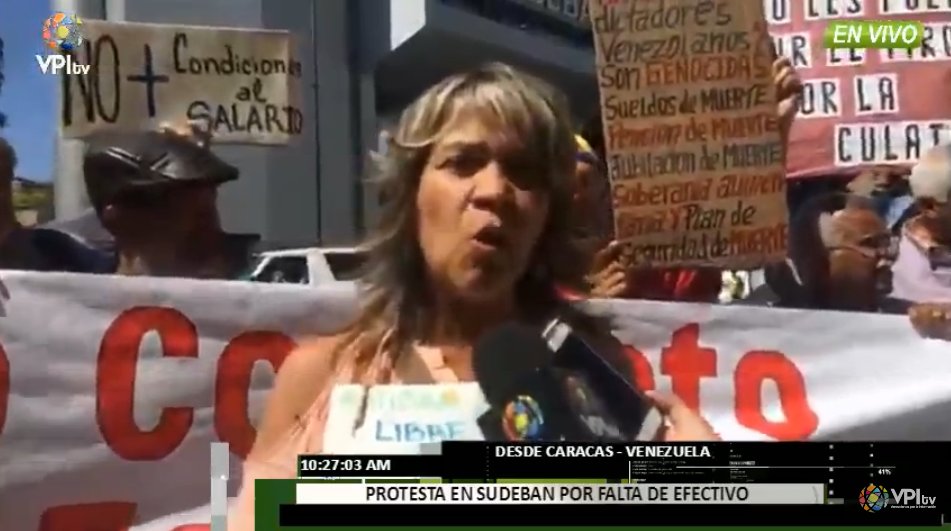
681	424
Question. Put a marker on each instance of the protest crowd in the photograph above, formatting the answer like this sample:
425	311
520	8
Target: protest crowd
496	207
880	242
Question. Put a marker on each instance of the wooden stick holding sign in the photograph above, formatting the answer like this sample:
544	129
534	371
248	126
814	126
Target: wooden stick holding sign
691	132
244	85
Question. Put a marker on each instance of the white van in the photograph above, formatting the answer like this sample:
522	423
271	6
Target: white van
312	265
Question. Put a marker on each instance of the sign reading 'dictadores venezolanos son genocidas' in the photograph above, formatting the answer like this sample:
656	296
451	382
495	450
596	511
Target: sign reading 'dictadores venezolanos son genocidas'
243	84
864	107
694	152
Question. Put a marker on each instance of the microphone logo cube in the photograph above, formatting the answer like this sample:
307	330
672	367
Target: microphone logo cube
522	419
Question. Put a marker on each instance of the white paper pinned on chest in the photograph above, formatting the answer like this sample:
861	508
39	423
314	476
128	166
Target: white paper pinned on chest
402	419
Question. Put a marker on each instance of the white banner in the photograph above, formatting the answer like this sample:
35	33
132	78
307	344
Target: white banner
111	389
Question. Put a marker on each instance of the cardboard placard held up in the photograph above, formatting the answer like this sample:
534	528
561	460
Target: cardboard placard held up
691	132
864	108
243	84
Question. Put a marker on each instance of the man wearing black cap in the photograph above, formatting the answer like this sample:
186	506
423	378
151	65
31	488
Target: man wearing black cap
156	193
32	249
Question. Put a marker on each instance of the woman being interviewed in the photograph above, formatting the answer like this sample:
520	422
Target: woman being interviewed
476	182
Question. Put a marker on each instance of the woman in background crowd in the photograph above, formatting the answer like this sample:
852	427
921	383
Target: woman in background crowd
472	235
592	227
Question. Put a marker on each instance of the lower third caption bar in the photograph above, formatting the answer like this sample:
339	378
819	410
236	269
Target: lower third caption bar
753	493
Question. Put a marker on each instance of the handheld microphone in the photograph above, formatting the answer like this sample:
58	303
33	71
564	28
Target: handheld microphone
571	394
618	410
512	365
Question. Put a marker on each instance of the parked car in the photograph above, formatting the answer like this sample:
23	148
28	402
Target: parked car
313	265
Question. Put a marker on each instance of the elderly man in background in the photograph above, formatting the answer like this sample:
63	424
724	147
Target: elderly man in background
922	272
840	254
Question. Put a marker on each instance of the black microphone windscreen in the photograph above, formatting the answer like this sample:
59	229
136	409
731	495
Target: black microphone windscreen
503	356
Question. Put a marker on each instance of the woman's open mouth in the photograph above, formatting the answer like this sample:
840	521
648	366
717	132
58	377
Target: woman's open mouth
491	237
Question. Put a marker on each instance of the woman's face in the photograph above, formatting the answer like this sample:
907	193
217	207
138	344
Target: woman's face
480	210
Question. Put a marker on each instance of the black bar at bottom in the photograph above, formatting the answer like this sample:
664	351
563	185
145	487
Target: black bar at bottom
602	515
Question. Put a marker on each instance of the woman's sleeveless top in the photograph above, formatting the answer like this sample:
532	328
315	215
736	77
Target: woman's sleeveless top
306	436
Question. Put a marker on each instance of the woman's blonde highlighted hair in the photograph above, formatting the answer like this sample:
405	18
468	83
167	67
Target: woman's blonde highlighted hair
396	307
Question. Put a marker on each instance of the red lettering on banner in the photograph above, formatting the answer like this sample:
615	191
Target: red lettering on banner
753	369
643	374
103	516
234	381
685	362
4	387
115	382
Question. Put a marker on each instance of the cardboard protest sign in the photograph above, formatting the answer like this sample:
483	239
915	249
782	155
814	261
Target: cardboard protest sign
864	107
691	131
244	85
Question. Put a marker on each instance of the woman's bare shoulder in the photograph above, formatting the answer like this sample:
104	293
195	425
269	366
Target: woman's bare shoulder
313	353
305	373
308	368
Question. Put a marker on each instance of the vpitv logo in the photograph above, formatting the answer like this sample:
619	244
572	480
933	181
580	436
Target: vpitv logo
62	34
911	499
